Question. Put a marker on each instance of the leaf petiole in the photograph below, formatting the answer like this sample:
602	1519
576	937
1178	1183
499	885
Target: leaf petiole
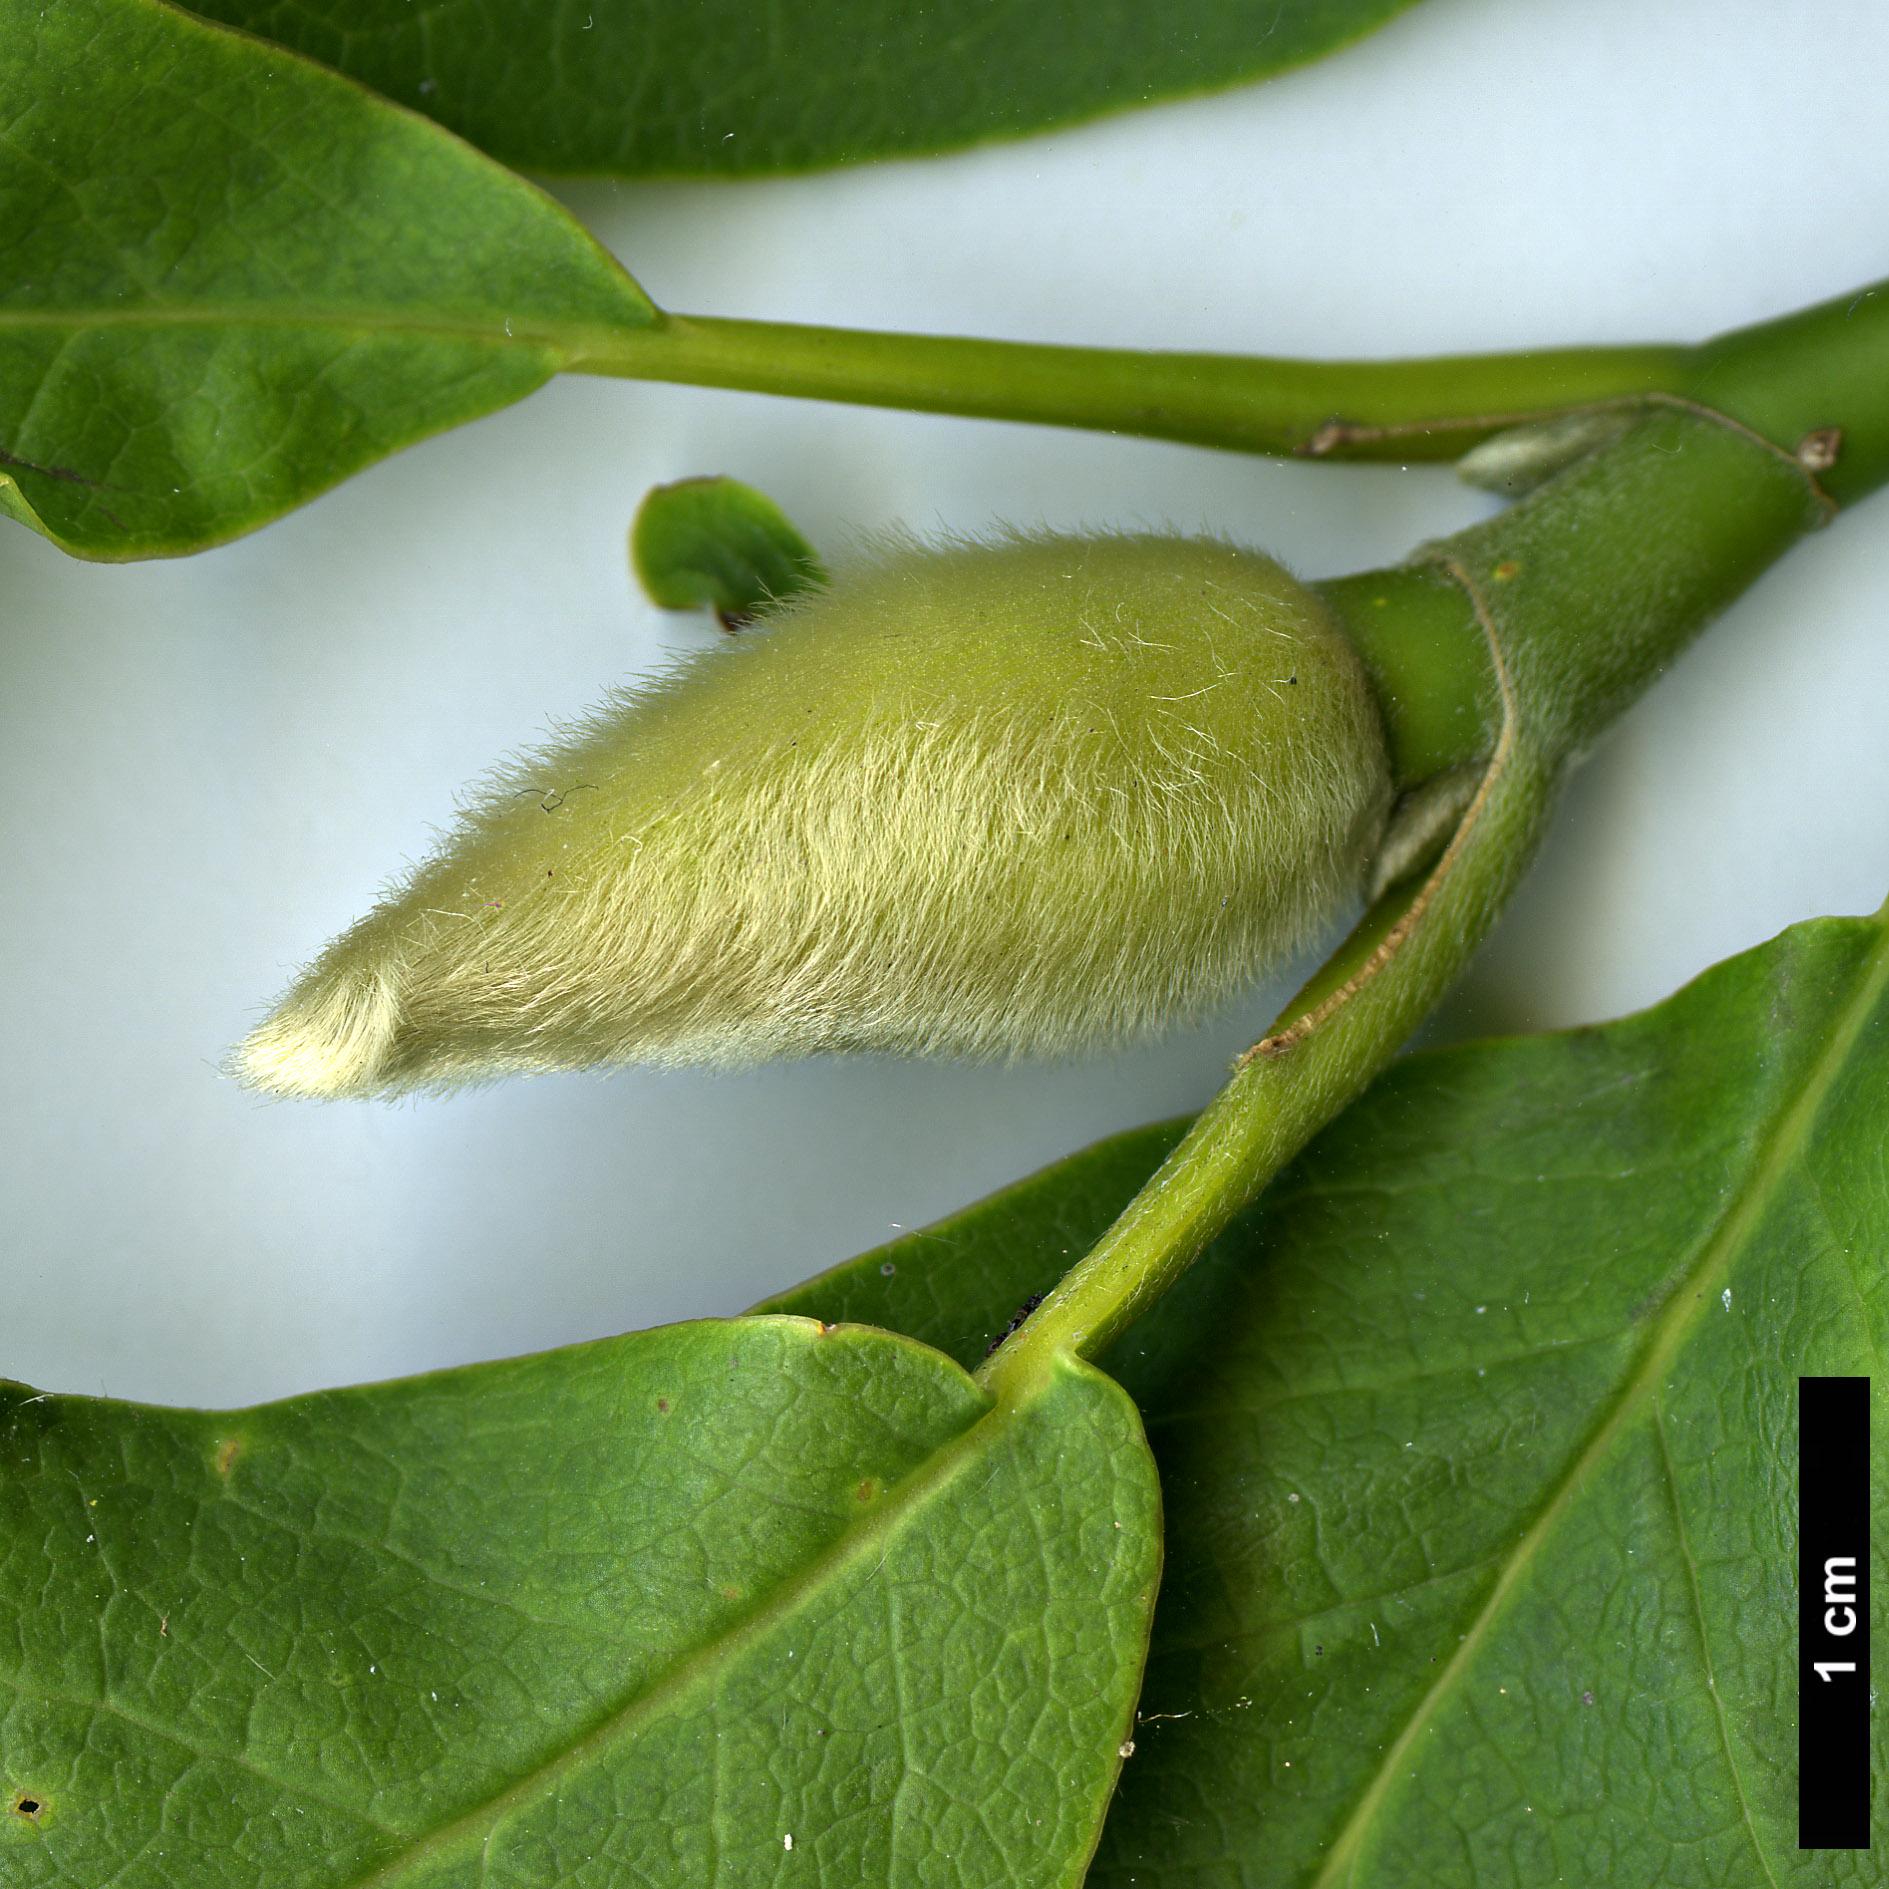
1401	411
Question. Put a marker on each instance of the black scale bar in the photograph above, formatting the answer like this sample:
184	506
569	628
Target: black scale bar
1833	1613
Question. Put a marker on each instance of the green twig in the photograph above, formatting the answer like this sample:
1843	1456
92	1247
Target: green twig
1791	380
1584	593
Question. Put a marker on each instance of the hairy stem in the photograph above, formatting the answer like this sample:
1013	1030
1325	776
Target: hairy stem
1584	592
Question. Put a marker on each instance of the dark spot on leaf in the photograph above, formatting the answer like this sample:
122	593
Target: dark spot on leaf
868	1489
888	1269
27	1805
662	1404
1587	1698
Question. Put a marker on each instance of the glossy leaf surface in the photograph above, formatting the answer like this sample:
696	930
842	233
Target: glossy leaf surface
1479	1448
731	1602
957	1283
684	87
230	279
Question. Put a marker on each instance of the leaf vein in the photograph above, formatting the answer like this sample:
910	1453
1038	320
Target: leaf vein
1671	1477
1768	1152
111	1709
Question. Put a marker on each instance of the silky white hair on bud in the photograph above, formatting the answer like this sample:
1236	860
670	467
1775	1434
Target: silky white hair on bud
971	799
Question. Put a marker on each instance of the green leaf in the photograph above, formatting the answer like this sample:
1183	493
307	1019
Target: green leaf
682	87
1478	1448
231	279
1531	1617
637	1611
716	544
957	1283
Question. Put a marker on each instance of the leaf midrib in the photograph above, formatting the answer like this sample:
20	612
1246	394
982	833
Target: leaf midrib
1685	1304
859	1541
572	337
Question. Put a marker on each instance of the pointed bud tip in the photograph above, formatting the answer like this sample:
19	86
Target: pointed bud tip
982	800
330	1039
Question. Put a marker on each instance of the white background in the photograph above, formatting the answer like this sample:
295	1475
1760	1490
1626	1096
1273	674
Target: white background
209	766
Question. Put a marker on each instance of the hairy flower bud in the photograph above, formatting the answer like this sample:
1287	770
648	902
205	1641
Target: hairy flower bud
973	800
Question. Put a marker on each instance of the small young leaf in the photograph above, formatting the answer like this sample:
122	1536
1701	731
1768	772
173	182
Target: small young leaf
700	1604
232	279
675	87
716	544
1479	1455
